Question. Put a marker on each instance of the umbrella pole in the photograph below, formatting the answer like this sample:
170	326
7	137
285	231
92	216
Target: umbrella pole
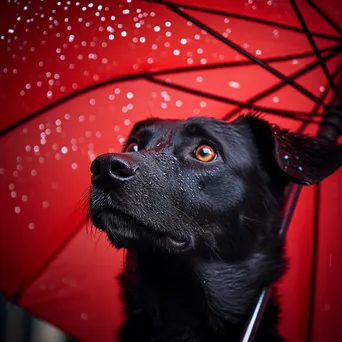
330	129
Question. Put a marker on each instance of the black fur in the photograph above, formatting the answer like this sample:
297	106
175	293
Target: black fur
202	238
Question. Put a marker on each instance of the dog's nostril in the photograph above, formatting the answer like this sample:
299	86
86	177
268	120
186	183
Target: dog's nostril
120	169
95	168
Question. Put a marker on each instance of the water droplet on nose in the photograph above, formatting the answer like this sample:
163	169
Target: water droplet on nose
199	188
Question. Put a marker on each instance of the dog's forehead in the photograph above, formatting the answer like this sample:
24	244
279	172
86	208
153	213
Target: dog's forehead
165	133
193	125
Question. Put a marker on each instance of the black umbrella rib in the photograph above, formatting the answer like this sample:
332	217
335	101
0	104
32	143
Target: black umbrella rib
238	48
314	48
325	16
240	63
295	115
67	98
142	75
281	84
15	298
242	17
314	262
323	96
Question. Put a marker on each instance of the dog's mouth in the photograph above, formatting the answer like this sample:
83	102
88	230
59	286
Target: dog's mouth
123	235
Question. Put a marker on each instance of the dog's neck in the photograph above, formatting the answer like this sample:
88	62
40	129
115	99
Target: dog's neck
226	292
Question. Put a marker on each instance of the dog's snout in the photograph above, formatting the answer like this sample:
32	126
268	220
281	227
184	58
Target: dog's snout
112	170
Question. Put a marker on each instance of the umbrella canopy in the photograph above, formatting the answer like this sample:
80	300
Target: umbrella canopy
75	76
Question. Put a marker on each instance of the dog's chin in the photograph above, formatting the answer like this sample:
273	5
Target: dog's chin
125	232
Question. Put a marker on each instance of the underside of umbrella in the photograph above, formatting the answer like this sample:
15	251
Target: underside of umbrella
76	76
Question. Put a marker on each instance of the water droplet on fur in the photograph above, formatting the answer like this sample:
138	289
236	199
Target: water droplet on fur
286	157
300	168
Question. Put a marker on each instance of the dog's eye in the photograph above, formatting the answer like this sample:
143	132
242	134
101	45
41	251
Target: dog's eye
205	153
132	147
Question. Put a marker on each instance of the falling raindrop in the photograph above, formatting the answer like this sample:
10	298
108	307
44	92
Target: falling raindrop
84	316
234	84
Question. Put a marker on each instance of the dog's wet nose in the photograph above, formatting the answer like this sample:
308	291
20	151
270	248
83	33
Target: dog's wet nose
112	170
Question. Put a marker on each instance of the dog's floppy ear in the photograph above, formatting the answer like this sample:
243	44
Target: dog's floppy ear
306	160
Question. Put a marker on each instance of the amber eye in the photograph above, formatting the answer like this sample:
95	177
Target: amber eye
132	147
205	153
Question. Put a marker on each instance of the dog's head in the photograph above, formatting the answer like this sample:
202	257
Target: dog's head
202	185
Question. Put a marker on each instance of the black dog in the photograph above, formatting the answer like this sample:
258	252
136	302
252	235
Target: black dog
198	204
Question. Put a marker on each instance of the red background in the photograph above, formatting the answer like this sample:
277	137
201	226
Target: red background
54	48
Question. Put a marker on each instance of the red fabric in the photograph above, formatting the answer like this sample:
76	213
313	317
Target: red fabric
52	49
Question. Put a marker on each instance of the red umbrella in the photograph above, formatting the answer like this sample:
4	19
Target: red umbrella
75	77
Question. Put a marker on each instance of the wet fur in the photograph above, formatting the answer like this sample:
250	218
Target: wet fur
231	208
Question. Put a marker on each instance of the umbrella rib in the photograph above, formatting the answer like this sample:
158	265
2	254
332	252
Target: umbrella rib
314	47
323	96
142	75
244	52
29	281
68	97
325	16
240	63
291	114
314	258
281	84
242	17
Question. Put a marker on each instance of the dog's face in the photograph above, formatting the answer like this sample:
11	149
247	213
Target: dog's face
192	186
